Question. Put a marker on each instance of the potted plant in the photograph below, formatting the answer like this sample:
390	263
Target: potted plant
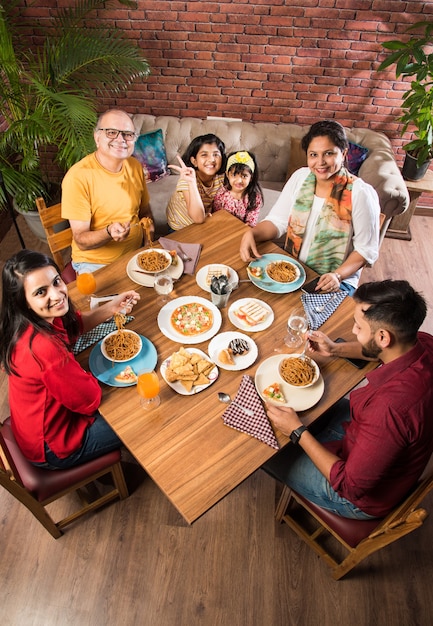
413	59
49	94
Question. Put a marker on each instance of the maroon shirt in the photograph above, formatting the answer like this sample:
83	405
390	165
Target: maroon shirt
389	439
53	399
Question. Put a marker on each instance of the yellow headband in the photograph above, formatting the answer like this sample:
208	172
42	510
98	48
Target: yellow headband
240	157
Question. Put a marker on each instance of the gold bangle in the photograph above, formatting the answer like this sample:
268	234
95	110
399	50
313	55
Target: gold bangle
109	234
338	276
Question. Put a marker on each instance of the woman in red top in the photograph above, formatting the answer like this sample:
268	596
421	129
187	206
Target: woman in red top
53	401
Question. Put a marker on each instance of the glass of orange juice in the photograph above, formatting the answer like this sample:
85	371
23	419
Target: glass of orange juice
86	283
148	389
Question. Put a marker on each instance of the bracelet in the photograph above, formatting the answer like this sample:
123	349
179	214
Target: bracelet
338	276
106	228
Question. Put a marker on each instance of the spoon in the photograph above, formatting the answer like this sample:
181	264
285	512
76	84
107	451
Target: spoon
224	397
320	309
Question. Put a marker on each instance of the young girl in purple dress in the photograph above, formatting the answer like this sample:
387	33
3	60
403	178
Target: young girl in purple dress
241	194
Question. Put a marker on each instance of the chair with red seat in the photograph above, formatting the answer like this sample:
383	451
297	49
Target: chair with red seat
359	538
59	236
35	487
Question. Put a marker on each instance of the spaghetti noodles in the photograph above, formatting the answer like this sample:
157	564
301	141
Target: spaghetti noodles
298	371
122	345
282	271
146	223
153	261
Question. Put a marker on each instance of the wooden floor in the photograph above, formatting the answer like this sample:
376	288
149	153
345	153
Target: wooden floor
136	563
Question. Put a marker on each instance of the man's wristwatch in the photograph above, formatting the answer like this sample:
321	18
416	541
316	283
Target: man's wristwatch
295	435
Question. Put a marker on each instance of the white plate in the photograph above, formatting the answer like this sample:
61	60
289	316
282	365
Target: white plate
178	387
147	280
202	275
244	326
164	320
241	361
299	399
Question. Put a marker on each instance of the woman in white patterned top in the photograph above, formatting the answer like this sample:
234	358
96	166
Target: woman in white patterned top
201	174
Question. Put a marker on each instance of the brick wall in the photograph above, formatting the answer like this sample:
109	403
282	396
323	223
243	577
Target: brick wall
270	60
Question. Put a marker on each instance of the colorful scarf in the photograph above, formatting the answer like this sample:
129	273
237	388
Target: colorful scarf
333	228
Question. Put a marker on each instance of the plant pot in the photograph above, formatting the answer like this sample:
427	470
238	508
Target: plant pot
410	169
33	221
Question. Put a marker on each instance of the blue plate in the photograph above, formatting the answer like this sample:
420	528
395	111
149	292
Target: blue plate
265	282
105	370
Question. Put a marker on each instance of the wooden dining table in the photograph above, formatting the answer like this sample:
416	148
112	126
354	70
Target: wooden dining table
184	445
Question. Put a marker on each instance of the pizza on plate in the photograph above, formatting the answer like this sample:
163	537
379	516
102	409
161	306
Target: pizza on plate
191	319
273	392
127	375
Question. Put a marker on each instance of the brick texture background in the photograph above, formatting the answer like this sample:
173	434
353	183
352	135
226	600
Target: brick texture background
270	60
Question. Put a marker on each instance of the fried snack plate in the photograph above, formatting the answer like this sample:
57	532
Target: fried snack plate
298	398
177	386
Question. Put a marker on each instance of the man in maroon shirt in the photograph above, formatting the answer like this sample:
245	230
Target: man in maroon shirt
375	448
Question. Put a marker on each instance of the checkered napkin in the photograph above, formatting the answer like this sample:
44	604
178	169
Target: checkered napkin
191	249
313	300
257	426
97	333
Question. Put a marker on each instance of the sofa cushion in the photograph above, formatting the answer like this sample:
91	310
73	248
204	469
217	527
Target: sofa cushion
150	151
356	156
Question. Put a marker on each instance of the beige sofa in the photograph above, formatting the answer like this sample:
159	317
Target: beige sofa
278	153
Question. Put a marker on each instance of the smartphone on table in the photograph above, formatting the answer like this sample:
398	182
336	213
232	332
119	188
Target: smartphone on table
358	363
310	287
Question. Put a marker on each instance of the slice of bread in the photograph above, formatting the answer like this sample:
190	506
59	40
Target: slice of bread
252	313
217	271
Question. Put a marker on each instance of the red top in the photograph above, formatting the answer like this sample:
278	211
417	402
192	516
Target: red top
389	439
53	399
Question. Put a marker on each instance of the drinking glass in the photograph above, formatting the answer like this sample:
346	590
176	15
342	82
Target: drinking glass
163	285
297	326
86	283
148	389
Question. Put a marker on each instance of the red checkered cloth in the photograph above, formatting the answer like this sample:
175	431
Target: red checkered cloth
257	426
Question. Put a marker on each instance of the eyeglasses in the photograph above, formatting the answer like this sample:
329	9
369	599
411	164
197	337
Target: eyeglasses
113	133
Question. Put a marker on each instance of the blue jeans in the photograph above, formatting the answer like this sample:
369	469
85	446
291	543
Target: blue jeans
86	268
293	467
350	289
99	439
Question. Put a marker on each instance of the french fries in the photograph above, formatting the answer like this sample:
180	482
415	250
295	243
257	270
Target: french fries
190	369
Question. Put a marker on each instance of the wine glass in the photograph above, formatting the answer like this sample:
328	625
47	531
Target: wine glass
148	389
163	285
297	326
86	283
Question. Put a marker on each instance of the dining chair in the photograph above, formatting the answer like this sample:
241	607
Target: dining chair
59	236
358	538
36	488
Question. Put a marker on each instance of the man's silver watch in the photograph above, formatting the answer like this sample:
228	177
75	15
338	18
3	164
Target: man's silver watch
295	435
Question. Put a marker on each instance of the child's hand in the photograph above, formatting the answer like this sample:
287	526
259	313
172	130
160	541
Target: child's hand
185	172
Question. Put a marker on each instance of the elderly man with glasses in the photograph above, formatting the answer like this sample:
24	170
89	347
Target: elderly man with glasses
104	196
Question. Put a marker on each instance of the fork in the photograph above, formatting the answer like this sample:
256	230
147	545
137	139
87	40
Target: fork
322	307
183	254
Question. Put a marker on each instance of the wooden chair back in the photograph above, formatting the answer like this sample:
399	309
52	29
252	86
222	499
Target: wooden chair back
357	538
58	240
35	488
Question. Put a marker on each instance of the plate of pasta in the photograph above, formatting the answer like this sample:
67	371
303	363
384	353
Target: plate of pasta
276	273
146	277
108	371
268	377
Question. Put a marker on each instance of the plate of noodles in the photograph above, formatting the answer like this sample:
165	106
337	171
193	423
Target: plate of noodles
106	371
299	398
276	273
146	278
121	345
